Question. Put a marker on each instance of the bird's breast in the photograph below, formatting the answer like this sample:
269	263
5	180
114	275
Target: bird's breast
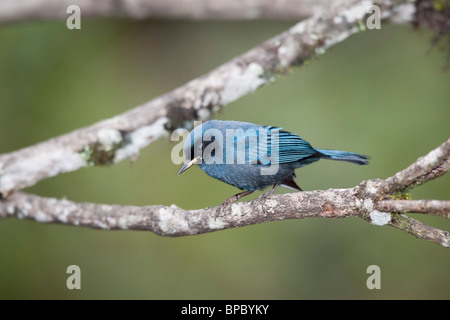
247	176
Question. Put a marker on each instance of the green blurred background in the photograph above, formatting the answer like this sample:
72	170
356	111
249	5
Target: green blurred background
381	93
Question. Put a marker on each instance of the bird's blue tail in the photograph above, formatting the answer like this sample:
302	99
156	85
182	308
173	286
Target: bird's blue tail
344	156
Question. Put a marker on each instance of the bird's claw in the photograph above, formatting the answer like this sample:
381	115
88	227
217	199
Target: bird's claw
225	204
268	194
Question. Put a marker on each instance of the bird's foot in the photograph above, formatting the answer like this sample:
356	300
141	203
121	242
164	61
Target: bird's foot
268	194
231	200
225	204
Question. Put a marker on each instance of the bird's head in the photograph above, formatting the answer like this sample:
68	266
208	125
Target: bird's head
201	145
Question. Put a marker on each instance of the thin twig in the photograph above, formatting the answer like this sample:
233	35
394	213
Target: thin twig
433	165
431	207
421	230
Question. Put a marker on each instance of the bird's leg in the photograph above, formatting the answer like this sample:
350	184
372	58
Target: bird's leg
272	191
236	197
269	193
233	199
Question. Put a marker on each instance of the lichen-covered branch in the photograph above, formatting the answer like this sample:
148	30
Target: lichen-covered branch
368	201
174	221
16	11
122	136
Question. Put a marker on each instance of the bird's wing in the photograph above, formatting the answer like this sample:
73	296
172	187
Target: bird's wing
290	147
275	146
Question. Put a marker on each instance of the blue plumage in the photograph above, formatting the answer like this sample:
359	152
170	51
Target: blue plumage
252	157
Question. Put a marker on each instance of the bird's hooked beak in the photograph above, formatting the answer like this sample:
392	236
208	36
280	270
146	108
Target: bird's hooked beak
189	164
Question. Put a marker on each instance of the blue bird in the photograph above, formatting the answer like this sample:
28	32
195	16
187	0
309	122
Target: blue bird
251	157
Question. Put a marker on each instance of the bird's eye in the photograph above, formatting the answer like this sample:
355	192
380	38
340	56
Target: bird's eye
207	142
